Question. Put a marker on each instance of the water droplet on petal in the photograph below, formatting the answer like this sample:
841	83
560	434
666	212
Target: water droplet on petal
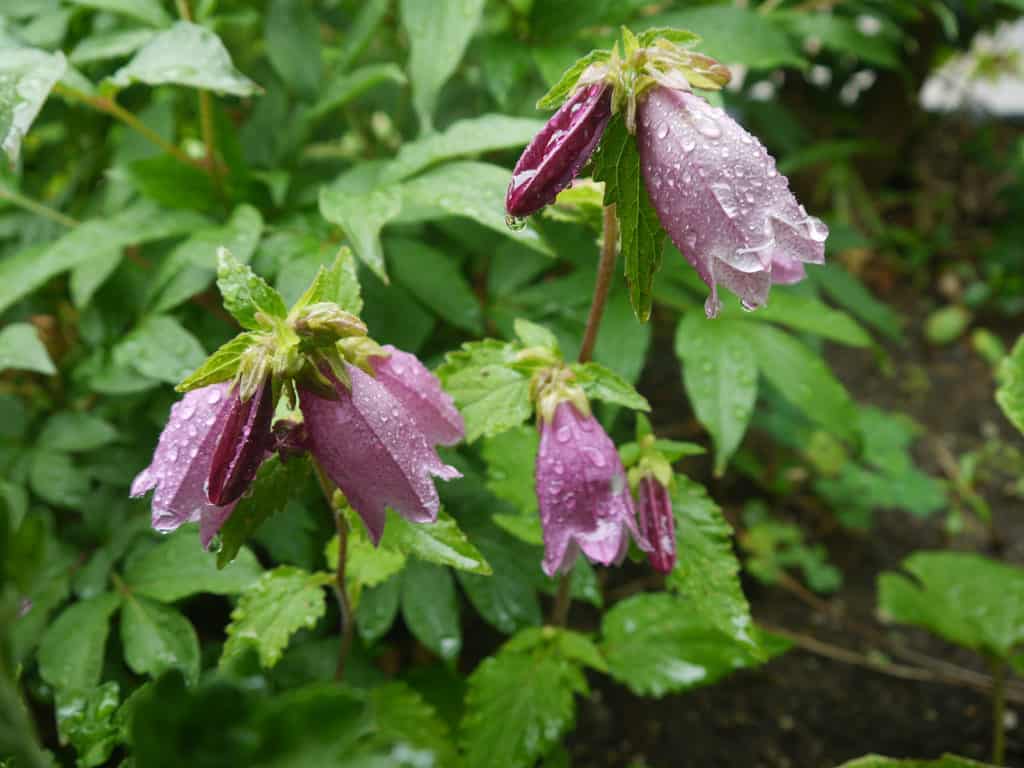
662	131
563	434
214	397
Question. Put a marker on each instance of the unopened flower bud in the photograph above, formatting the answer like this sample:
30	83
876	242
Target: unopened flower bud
328	321
657	524
558	152
242	446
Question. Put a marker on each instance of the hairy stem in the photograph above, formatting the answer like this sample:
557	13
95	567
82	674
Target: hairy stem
33	206
998	667
605	270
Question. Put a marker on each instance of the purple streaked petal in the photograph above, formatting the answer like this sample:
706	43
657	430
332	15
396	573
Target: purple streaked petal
558	152
720	199
373	450
582	493
418	390
654	511
182	460
242	445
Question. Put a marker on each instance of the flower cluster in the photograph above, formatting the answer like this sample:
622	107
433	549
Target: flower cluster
372	418
714	187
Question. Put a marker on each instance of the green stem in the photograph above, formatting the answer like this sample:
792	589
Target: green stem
331	493
998	667
36	207
115	110
605	270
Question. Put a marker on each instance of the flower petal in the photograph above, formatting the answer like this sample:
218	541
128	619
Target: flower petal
720	199
242	445
558	152
182	460
372	449
582	493
654	510
419	391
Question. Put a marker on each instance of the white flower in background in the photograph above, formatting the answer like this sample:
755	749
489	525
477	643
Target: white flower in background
988	78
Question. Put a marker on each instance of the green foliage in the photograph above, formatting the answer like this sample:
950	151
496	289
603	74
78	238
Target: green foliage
965	598
246	294
1010	394
20	348
946	761
26	77
617	164
430	609
71	651
281	602
156	638
772	546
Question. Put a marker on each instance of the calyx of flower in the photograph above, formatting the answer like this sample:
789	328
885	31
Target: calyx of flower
553	385
326	322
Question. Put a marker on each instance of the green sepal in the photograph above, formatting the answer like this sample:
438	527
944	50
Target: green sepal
567	83
602	383
221	365
247	296
681	37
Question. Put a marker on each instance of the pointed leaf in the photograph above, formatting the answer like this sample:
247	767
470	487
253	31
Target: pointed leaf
71	651
157	638
26	77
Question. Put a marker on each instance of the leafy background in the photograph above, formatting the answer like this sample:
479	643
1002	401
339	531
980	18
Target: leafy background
847	425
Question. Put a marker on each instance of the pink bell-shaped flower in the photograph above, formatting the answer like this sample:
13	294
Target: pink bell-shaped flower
720	198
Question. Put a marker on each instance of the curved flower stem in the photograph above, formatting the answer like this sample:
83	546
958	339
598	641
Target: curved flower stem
331	495
605	270
205	116
34	206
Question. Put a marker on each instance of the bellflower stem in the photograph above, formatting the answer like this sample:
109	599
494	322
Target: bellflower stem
205	116
344	607
998	667
33	206
605	270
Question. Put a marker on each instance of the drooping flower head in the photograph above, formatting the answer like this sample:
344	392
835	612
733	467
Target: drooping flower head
721	200
582	491
371	415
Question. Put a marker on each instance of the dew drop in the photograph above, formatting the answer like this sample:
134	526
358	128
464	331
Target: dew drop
563	434
662	131
708	128
214	397
816	229
688	143
515	223
216	544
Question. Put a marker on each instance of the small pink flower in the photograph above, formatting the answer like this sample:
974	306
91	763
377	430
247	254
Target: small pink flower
657	524
558	152
582	492
374	450
206	422
721	200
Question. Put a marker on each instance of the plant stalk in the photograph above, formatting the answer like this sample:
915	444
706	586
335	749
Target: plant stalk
33	206
998	667
605	270
344	606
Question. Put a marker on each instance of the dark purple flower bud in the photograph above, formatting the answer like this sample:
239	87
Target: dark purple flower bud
411	383
556	154
582	492
181	463
242	446
721	200
373	450
657	524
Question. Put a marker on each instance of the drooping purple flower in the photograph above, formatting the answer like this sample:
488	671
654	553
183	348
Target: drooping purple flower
411	383
721	200
582	492
372	448
180	472
558	152
657	524
242	446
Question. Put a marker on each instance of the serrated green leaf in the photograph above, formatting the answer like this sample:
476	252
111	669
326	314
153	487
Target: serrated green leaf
438	34
365	564
602	383
400	718
946	761
275	483
657	644
87	720
707	571
967	599
71	650
681	37
1010	394
178	567
720	376
22	349
441	542
336	283
802	377
245	293
437	281
430	607
26	77
491	396
362	215
566	84
221	365
160	348
462	138
185	54
157	638
617	164
519	704
271	610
